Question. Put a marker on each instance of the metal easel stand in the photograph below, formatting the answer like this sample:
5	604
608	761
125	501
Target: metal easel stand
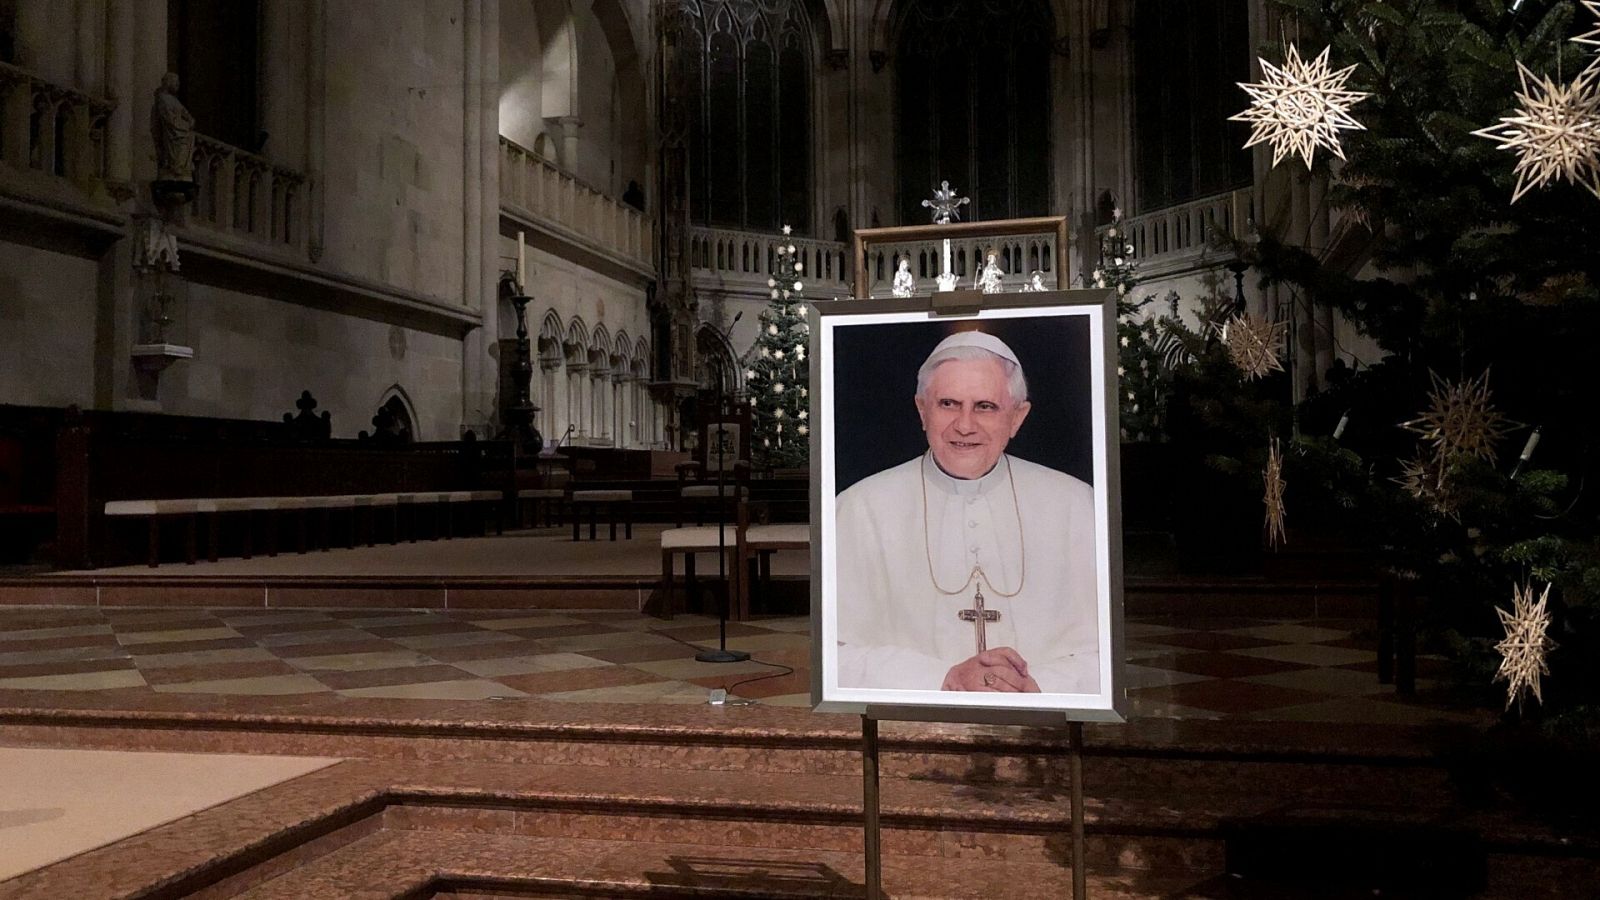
873	842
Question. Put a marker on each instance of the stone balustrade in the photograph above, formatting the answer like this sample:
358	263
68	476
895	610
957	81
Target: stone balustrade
746	258
52	129
1018	257
1186	230
245	194
536	188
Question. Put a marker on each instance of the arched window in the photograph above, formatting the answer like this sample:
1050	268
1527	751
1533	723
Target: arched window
751	153
973	105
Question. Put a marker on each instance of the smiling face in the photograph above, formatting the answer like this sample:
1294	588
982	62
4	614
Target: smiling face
969	416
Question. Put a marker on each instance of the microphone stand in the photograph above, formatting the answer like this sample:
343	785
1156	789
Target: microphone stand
722	654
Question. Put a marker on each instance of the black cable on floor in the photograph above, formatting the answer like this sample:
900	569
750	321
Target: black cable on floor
743	701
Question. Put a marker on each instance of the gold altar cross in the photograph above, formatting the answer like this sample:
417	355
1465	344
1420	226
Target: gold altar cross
979	617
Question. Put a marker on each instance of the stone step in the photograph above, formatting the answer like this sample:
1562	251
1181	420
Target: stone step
433	864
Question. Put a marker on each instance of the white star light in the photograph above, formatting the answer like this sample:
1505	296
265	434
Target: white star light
1523	651
1300	107
945	204
1556	134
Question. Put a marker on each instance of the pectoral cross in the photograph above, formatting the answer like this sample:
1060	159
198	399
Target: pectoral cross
979	617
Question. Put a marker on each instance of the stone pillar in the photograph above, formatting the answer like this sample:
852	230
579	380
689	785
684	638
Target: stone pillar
87	50
473	348
1303	328
569	141
489	204
119	45
33	34
149	64
316	103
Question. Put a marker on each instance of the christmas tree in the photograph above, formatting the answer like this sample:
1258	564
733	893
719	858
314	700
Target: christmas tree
1142	394
777	372
1482	292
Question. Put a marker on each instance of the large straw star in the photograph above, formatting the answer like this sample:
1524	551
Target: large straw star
1557	131
1300	107
1525	646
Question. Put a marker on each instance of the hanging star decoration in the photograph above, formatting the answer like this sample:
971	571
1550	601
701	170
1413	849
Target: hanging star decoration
1461	419
1273	500
1423	478
1592	38
1253	345
1526	645
945	205
1300	106
1556	133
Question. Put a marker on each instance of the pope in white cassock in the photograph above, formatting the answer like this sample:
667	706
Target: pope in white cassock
967	569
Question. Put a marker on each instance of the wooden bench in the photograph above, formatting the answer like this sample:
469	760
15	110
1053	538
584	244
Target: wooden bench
614	502
757	542
687	542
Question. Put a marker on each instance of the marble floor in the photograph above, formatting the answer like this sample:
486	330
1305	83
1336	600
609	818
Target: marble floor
1275	669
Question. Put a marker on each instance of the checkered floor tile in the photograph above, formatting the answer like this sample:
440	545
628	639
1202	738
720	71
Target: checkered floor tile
1318	670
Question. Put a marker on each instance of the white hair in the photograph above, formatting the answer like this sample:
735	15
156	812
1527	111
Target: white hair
1016	383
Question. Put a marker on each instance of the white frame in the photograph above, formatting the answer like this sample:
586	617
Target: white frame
1099	307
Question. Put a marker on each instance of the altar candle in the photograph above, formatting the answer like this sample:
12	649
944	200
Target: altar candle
947	255
522	263
1527	449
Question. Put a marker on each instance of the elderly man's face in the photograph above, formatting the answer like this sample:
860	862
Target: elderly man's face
968	415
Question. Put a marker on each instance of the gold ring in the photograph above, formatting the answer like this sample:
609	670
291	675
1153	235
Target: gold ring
988	679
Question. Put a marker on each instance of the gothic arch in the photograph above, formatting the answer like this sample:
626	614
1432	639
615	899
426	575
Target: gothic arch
886	16
558	40
711	344
576	340
395	395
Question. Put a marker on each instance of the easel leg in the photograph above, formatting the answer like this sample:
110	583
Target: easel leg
869	807
1080	877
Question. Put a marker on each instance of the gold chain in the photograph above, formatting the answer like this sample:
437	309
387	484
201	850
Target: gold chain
977	570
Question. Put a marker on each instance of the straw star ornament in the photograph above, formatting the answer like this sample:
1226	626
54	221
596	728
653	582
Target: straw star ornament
1461	419
1592	37
1556	133
1300	106
1253	345
1273	479
1526	645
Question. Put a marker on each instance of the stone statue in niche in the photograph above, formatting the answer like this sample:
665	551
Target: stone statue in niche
989	277
1035	283
172	126
904	284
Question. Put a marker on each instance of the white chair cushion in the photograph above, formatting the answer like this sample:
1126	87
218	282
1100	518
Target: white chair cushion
131	507
711	490
600	496
698	537
787	533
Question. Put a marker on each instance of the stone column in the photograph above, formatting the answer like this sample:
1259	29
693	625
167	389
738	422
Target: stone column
88	49
119	45
1303	328
316	102
473	348
489	203
1321	313
149	64
569	141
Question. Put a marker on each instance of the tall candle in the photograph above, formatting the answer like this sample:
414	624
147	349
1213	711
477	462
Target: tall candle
1338	430
947	255
522	264
1527	449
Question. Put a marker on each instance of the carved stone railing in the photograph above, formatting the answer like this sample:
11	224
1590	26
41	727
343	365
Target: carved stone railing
51	129
536	187
1018	258
745	259
245	194
1185	231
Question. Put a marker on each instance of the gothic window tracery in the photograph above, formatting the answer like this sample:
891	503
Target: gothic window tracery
973	104
751	131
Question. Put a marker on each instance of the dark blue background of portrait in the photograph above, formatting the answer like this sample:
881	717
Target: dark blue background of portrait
875	423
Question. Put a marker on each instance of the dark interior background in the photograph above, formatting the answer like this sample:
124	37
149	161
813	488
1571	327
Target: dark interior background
875	423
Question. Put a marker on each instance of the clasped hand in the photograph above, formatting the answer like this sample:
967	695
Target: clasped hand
1001	669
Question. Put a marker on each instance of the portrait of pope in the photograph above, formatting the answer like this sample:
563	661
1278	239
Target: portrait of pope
967	567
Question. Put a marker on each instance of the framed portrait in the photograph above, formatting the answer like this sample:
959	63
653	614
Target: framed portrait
965	506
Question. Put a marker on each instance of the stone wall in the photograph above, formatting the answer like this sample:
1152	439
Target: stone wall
47	327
